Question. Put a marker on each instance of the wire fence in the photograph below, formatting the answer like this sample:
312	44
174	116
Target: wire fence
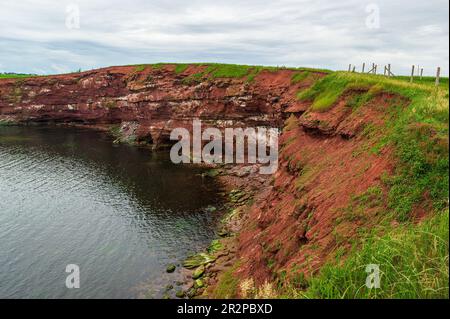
416	71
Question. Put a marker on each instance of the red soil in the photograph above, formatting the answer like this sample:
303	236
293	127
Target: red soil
302	220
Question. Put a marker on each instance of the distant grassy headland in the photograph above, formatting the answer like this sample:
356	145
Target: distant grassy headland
16	75
221	70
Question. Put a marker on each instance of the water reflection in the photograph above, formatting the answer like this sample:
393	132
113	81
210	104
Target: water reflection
122	213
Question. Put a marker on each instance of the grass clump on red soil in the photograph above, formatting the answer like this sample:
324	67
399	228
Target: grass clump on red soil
418	132
180	68
227	287
413	260
16	76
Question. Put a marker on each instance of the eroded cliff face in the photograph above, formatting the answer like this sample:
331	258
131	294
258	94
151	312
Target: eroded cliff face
317	204
150	101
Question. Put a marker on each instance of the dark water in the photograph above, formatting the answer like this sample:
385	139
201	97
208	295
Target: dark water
121	213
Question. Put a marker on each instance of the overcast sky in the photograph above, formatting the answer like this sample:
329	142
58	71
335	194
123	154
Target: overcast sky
42	36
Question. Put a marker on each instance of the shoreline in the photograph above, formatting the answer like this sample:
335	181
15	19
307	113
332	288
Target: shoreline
224	230
242	184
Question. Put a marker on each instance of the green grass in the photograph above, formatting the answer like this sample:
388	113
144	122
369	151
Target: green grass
180	68
327	91
299	77
218	70
213	70
413	261
324	93
427	80
228	284
306	74
418	132
227	70
142	67
16	76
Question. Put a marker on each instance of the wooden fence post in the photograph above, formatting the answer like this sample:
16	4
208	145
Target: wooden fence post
354	69
421	73
363	67
438	76
375	70
389	70
412	73
349	68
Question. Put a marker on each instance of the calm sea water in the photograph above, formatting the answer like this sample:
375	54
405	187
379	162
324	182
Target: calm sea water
121	213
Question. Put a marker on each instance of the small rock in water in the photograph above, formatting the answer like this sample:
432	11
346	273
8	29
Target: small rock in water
171	268
169	287
223	233
211	209
198	272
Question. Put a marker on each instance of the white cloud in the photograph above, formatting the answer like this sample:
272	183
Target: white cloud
320	33
429	30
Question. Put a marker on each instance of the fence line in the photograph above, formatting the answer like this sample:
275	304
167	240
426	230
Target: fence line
388	71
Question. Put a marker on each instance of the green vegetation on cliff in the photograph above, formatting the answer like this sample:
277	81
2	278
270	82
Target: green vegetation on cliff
220	70
413	256
410	244
15	76
413	259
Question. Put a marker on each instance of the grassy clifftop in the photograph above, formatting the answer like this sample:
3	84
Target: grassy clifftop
15	76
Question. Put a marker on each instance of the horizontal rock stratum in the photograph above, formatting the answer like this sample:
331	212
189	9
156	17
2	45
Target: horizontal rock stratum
156	98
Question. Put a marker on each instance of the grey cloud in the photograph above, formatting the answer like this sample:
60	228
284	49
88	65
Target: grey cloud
319	33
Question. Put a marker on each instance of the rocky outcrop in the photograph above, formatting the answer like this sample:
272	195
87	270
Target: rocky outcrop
148	100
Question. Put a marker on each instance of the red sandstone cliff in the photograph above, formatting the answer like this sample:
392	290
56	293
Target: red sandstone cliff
155	99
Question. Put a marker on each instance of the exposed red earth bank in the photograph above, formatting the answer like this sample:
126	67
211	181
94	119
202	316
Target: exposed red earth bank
291	224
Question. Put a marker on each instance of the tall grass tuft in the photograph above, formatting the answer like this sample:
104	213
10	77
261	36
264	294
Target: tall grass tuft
413	261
